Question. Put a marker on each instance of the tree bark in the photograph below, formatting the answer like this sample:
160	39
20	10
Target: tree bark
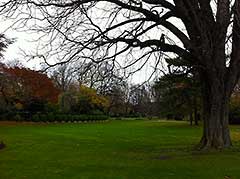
191	118
215	114
196	116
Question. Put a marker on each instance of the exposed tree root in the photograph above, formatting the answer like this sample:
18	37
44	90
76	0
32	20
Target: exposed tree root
213	143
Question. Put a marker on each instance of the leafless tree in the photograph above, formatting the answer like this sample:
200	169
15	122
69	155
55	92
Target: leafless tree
204	32
100	76
140	98
63	76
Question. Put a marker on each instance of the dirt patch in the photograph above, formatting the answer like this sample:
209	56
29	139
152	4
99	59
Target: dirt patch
2	145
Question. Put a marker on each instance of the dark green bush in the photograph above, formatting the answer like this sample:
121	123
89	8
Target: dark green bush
35	118
51	117
97	112
43	118
18	118
71	118
57	117
66	117
3	117
75	117
10	116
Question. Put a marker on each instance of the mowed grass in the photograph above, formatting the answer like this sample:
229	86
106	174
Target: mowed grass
113	150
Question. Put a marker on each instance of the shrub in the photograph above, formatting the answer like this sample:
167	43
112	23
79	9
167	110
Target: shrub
9	116
43	118
26	116
3	116
234	110
18	118
51	117
35	118
97	112
71	118
57	117
75	117
66	117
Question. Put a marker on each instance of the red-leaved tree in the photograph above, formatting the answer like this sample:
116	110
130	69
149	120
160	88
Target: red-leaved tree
26	84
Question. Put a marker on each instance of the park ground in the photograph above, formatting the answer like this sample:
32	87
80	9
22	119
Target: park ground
128	149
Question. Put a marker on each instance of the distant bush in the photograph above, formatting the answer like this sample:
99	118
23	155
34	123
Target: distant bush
234	116
9	116
51	117
234	110
2	116
35	118
70	118
18	118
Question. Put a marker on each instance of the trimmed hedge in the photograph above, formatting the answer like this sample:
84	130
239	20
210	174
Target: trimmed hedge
50	117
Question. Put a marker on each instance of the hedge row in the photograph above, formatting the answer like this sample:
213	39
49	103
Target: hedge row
53	117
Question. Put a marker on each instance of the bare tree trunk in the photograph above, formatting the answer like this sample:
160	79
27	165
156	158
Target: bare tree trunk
215	115
191	118
196	117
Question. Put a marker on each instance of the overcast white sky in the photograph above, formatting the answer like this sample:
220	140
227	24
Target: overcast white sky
22	41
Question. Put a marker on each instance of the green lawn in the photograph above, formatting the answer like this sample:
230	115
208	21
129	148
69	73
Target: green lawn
112	150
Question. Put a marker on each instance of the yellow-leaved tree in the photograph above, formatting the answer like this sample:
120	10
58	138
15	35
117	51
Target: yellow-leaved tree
84	101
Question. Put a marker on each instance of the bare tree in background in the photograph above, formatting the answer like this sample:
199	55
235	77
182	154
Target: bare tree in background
100	76
113	29
63	76
140	98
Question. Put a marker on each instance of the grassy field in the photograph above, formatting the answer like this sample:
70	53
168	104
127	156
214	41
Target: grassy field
112	150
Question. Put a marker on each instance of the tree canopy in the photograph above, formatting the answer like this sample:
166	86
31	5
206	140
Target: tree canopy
24	86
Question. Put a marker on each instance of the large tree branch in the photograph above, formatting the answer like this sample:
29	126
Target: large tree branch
184	39
223	15
148	43
206	9
163	3
139	9
147	13
188	15
61	4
